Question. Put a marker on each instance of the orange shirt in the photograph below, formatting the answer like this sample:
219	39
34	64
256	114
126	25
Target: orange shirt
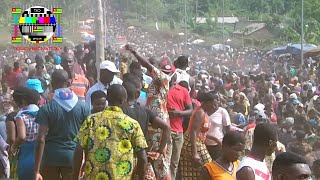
80	86
219	173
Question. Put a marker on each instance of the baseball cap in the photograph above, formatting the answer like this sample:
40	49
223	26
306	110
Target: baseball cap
109	66
35	84
167	68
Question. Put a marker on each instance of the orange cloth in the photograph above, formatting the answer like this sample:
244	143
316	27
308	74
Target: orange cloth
204	126
218	173
80	86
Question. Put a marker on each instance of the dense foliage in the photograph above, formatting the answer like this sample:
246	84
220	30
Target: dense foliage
282	16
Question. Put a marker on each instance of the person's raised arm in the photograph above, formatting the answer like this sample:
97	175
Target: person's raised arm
141	60
245	173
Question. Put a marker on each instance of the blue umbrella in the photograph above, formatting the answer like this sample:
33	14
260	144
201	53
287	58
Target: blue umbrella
279	50
295	49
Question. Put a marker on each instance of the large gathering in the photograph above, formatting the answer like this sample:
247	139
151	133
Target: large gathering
159	109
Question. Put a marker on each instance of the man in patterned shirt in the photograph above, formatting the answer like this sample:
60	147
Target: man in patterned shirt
111	140
157	101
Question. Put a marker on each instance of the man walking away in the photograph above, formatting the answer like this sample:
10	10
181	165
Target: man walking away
111	140
60	121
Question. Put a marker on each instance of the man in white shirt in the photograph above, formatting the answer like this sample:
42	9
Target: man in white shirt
108	77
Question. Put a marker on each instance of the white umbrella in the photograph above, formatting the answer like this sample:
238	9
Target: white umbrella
197	41
220	46
131	27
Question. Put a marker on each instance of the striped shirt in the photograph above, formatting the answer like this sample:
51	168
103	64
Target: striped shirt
80	86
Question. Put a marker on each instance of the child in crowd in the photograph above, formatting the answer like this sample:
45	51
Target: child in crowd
98	101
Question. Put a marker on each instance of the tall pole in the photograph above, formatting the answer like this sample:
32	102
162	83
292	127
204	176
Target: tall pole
146	9
302	30
99	35
196	9
223	26
185	26
105	22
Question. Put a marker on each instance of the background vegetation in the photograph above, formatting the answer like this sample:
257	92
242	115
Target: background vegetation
283	17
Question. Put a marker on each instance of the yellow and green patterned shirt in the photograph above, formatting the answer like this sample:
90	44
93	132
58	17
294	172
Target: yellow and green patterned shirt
111	140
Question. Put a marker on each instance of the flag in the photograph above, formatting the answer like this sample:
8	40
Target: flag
16	11
57	11
38	29
16	40
57	39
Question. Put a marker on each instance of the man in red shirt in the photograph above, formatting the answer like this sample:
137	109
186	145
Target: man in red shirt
9	76
16	67
179	105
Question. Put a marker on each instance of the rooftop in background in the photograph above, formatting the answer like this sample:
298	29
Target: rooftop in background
227	20
251	28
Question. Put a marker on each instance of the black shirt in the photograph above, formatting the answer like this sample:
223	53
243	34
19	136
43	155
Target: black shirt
143	115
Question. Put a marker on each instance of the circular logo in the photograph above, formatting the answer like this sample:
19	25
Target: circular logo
37	24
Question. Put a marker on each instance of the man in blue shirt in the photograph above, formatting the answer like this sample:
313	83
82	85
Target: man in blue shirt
60	120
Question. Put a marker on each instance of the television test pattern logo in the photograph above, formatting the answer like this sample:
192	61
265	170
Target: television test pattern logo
36	25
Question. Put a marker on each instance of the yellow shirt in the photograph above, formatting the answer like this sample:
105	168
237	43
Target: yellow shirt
219	173
111	139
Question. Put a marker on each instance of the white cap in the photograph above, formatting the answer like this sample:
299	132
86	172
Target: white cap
259	107
109	66
293	96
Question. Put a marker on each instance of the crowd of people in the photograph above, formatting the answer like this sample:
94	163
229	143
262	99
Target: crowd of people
155	113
